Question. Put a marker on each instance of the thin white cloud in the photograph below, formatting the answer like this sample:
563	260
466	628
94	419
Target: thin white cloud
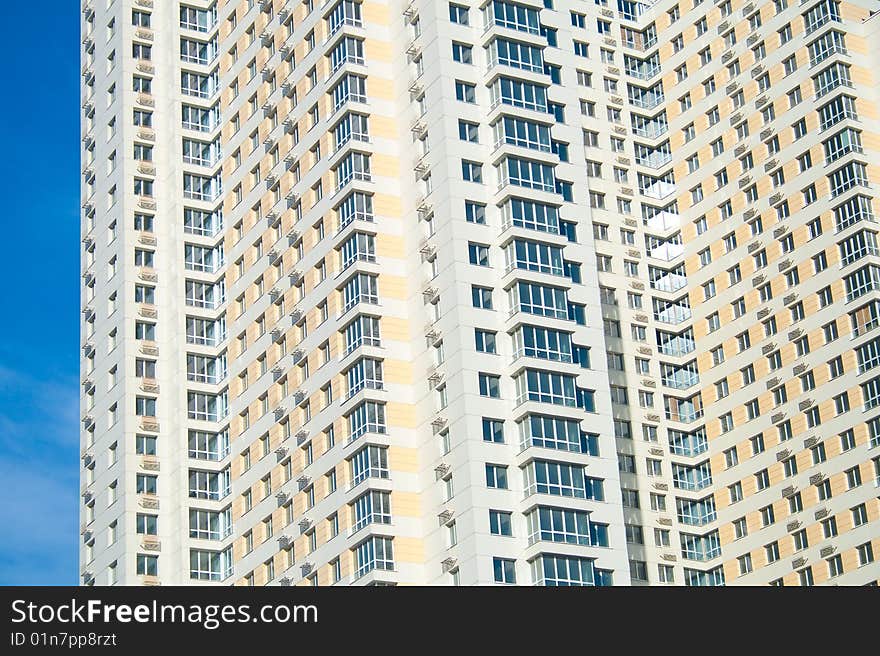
38	545
39	445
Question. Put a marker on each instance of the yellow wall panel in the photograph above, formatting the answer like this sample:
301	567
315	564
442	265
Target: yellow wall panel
403	459
383	127
385	166
398	371
386	205
401	415
405	504
393	287
408	550
377	51
391	246
394	329
376	12
380	89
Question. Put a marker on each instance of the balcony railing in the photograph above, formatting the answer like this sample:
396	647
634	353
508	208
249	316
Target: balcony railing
701	554
639	44
643	73
857	255
651	131
655	160
831	86
856	218
825	54
835	155
666	252
658	189
819	22
864	329
543	354
682	416
690	449
692	485
862	289
697	520
365	384
669	283
677	347
673	315
682	380
662	221
653	100
347	59
206	378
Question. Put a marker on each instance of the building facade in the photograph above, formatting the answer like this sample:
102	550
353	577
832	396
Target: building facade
444	293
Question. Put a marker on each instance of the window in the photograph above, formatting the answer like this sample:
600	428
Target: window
730	457
145	407
705	55
462	53
630	498
478	254
493	430
658	502
805	576
465	92
830	331
626	463
481	297
762	479
500	522
757	443
689	131
474	212
485	341
835	566
374	553
853	478
638	570
634	534
767	516
835	367
141	51
709	86
740	529
847	440
800	540
490	385
735	492
713	322
457	14
496	476
468	131
147	565
866	553
859	514
841	403
505	570
818	453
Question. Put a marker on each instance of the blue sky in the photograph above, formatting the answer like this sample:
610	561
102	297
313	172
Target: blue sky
39	267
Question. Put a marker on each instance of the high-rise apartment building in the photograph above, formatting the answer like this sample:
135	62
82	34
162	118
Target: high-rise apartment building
542	292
